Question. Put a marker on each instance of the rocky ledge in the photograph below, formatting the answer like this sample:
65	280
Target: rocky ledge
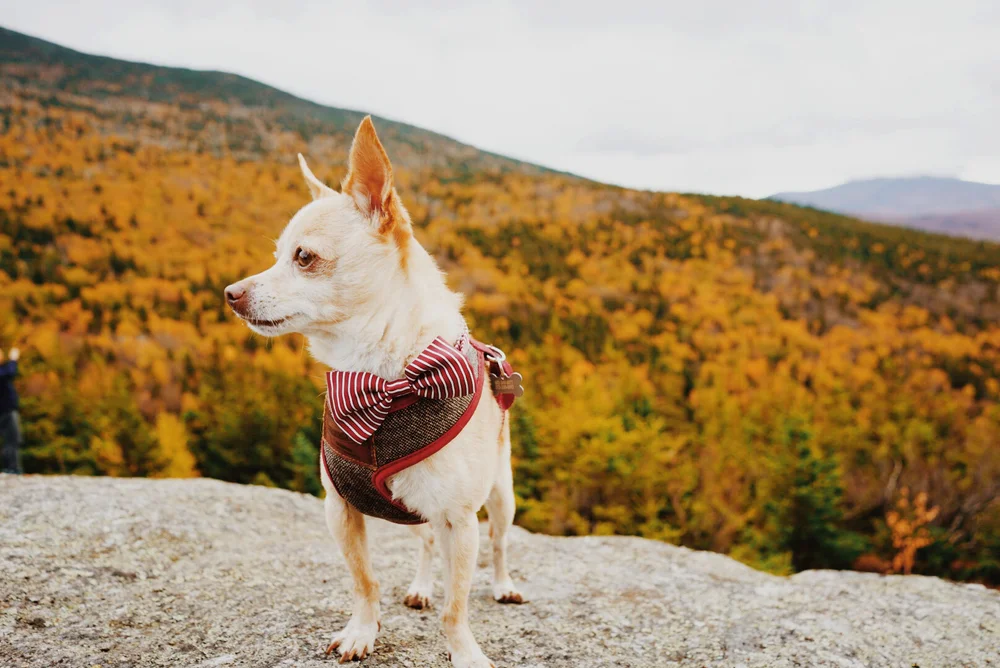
111	572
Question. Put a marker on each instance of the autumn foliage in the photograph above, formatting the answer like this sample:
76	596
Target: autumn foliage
746	377
908	524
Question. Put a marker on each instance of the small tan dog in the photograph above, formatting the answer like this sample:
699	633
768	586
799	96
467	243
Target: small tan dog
352	278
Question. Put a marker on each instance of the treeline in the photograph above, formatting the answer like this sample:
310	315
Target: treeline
790	387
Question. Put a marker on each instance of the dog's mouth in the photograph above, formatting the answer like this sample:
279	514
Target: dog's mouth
262	324
265	323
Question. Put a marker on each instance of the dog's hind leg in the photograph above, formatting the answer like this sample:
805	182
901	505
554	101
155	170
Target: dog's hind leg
418	595
500	506
357	639
458	534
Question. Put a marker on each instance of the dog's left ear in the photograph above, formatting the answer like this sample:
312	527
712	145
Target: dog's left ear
316	187
369	174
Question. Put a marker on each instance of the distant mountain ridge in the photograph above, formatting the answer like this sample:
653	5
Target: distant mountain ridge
935	204
38	67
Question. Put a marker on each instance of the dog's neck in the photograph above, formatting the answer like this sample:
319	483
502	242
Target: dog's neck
404	314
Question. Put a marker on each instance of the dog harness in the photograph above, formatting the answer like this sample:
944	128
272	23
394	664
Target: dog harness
374	428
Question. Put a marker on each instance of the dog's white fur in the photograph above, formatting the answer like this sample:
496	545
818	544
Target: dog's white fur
371	300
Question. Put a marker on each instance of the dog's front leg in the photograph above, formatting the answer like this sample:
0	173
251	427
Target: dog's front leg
458	535
418	595
357	639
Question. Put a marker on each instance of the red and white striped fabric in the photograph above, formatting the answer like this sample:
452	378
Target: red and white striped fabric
359	401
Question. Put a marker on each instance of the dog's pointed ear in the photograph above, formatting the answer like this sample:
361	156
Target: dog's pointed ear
369	173
316	187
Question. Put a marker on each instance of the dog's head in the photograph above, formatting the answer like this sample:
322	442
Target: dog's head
335	253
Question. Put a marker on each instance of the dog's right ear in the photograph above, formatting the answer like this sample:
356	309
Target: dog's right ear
316	187
369	175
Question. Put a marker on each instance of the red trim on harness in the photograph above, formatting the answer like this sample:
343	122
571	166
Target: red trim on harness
382	473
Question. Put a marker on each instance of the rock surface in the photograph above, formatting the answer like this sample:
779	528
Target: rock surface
106	572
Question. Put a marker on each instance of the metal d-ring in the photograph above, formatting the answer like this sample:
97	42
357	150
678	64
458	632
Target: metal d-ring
498	356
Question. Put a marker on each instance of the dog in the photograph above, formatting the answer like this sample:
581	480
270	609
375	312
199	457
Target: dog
350	276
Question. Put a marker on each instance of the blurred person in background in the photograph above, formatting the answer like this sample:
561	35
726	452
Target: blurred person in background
10	422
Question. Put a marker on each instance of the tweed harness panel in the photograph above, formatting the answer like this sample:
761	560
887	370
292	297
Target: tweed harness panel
414	429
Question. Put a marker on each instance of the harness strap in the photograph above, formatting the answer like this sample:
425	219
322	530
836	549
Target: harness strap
415	428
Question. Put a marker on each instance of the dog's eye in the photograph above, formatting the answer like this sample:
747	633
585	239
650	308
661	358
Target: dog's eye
304	258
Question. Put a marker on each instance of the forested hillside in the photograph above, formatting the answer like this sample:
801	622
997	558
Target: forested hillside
792	388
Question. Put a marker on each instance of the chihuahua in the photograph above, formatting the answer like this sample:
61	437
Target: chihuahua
351	277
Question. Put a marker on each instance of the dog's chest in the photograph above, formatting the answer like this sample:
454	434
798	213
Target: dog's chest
414	429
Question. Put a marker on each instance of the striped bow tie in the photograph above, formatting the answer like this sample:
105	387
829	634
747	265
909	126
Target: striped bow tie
359	401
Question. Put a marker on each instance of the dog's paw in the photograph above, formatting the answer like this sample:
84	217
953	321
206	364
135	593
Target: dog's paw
472	660
356	641
418	596
505	592
417	600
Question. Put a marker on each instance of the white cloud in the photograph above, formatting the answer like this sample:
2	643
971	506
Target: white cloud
727	97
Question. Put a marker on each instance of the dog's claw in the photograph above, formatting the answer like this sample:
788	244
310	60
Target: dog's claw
417	601
356	641
511	597
505	592
354	655
476	660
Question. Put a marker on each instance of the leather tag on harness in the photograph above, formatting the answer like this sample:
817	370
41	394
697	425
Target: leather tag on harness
505	383
509	385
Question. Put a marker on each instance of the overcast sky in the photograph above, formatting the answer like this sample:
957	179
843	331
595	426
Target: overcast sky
734	97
